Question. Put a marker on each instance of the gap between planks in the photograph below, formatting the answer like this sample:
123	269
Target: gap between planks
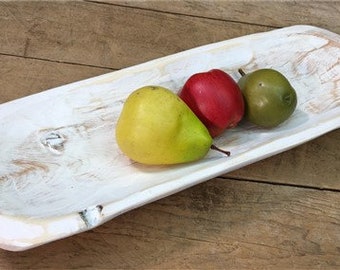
277	183
58	62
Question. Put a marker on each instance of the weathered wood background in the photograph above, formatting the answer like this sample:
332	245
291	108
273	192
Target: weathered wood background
280	213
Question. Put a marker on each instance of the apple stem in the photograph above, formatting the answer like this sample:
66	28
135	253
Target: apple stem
240	70
214	147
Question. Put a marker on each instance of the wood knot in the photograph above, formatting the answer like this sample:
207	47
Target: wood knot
54	141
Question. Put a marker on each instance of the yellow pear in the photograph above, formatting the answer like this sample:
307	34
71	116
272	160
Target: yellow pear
156	127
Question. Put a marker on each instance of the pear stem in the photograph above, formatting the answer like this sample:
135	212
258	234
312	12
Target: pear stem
240	70
214	147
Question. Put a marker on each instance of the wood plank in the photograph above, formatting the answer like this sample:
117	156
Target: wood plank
20	77
55	31
314	164
233	225
262	12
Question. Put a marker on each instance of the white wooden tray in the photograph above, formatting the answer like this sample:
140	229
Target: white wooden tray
61	172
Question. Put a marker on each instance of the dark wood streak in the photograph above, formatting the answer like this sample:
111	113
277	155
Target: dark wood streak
26	167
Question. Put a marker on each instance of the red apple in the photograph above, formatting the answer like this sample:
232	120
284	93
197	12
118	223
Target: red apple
215	98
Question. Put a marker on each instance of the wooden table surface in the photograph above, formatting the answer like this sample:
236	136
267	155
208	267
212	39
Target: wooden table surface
279	213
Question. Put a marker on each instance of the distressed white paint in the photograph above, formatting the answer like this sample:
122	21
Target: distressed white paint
61	171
